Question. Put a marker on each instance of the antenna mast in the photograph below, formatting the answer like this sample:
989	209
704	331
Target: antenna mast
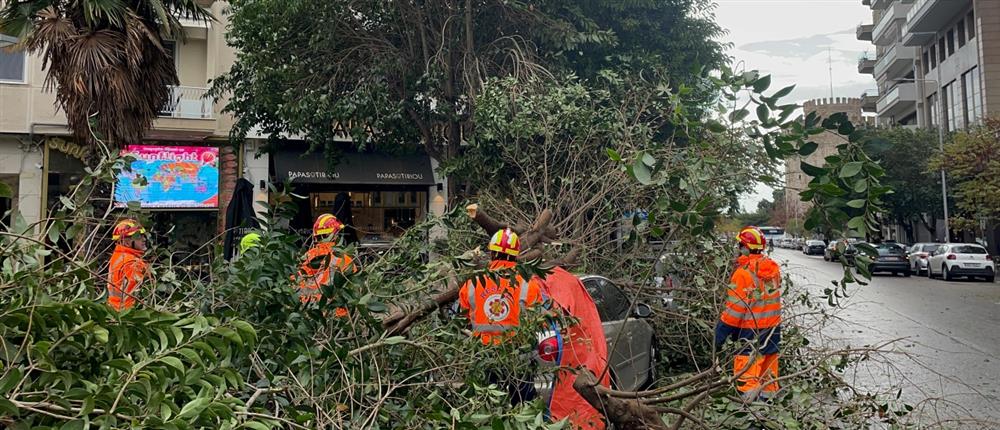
829	59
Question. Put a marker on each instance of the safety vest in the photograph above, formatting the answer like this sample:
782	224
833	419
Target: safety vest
753	300
494	306
312	279
126	271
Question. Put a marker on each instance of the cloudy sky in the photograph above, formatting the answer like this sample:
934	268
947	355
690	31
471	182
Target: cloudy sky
796	41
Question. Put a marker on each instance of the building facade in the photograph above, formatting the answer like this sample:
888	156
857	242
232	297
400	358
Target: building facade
937	62
795	180
41	162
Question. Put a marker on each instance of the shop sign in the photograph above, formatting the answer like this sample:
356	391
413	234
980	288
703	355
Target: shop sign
75	150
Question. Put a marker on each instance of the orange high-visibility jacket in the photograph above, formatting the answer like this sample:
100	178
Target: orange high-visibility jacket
126	271
495	306
317	270
754	297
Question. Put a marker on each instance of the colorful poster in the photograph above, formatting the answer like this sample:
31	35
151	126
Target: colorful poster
179	177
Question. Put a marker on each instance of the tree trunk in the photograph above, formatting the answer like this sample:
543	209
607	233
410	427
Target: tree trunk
624	414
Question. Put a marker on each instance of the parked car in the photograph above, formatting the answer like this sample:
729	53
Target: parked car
918	256
952	260
630	338
813	247
891	258
831	253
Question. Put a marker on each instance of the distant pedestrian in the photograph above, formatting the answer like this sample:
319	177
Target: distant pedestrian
126	270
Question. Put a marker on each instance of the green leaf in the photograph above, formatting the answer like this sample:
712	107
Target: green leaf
642	173
857	204
10	380
7	408
229	334
255	425
6	191
393	340
716	126
73	425
857	223
101	334
614	155
811	170
861	185
846	129
783	92
173	362
762	84
763	113
194	407
808	148
648	159
868	249
738	115
851	169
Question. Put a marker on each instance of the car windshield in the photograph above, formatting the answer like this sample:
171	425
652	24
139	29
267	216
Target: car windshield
814	242
928	248
969	249
888	249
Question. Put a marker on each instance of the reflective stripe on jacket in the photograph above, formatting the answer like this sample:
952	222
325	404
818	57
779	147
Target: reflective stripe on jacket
126	271
495	306
317	271
753	300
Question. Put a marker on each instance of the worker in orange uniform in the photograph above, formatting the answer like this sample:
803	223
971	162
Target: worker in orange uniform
753	314
126	270
322	260
494	305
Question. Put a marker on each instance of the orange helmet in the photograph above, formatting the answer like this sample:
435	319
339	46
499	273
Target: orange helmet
752	238
506	242
327	224
127	228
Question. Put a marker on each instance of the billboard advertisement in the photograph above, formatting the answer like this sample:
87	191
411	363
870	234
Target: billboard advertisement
170	177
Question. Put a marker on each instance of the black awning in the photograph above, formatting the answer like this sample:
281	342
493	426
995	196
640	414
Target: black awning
353	168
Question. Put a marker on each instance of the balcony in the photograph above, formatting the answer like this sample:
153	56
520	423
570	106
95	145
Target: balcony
869	101
866	66
188	103
895	63
901	99
928	16
886	31
865	32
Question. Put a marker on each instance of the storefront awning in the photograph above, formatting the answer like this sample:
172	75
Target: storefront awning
353	168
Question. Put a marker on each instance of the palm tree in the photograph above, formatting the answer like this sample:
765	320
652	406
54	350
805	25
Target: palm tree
105	59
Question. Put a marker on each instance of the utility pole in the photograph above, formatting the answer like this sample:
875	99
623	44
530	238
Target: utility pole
829	60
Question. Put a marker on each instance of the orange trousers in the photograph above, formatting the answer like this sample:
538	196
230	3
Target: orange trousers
752	375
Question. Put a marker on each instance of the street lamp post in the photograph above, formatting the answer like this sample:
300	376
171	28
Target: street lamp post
944	179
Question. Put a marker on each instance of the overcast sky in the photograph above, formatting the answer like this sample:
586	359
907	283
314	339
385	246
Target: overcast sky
796	41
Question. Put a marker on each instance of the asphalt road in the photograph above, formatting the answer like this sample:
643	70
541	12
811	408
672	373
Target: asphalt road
947	360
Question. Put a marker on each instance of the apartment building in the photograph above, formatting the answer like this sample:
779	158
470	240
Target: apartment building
41	162
937	62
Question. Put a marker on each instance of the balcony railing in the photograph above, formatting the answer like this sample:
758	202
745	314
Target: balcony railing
931	15
188	102
866	66
886	31
864	32
901	93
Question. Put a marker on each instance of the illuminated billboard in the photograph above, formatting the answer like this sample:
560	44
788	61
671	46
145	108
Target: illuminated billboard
172	177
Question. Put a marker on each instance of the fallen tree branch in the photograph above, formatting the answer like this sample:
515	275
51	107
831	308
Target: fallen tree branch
624	414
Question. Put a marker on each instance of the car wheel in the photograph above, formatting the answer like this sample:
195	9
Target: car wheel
991	278
945	274
930	274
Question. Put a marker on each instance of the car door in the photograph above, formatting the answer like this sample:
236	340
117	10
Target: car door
934	262
630	340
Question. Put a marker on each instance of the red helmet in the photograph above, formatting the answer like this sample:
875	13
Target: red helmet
506	242
752	238
127	228
327	224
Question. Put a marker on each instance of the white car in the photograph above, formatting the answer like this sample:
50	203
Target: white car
919	256
952	260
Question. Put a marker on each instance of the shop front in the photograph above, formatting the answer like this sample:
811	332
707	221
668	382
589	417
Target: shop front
378	196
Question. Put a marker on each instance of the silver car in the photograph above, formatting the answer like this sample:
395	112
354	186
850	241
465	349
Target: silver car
630	339
919	254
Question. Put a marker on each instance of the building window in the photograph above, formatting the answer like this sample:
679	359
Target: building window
953	102
933	109
971	19
961	33
11	63
933	57
926	62
941	50
974	95
951	42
